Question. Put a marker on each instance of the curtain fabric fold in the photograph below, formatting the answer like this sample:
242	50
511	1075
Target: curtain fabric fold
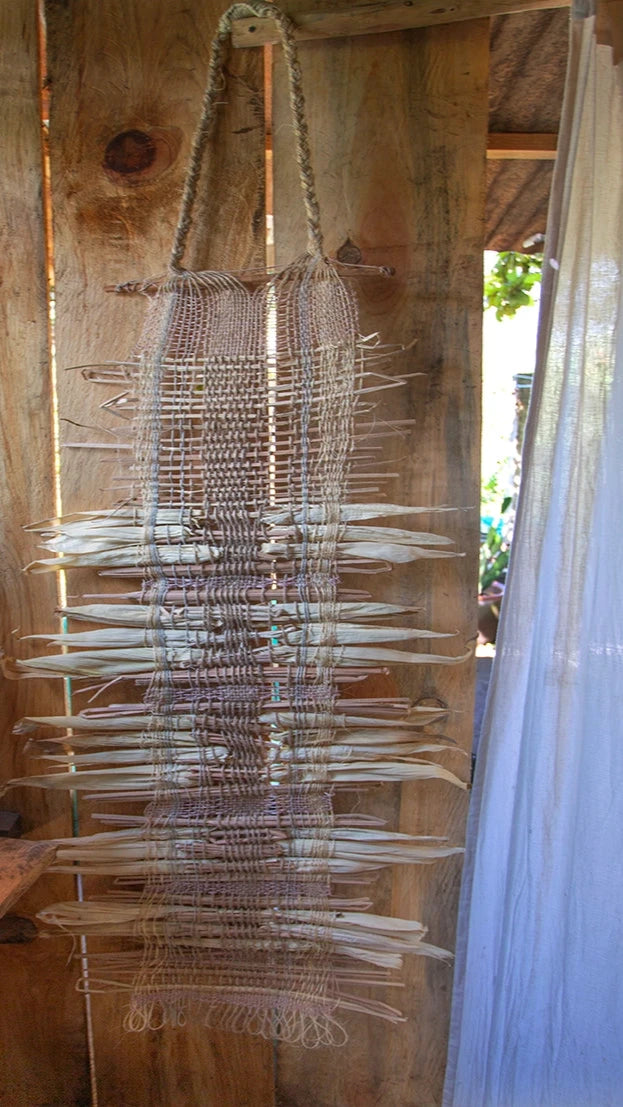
537	1015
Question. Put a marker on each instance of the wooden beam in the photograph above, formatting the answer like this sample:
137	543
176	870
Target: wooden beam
44	1054
398	128
609	27
382	16
119	67
20	865
521	147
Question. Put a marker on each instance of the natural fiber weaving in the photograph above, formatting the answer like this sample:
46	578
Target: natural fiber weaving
233	900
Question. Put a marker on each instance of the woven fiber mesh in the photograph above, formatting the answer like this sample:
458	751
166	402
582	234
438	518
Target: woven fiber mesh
238	831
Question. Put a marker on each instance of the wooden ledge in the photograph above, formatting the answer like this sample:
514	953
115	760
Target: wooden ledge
521	147
382	16
21	862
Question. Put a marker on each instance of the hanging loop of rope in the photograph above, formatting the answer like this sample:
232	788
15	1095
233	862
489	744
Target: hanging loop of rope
205	128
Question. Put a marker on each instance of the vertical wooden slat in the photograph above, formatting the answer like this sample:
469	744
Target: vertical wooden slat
41	1015
136	69
398	127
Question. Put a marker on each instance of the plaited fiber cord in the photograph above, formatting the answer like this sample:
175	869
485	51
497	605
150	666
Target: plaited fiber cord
220	49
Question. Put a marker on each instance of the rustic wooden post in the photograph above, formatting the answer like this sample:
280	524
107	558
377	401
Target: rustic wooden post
41	1016
398	127
127	81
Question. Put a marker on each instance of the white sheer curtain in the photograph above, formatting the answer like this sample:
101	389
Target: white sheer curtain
538	1002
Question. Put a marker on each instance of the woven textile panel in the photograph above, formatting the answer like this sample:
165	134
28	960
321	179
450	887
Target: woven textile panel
252	491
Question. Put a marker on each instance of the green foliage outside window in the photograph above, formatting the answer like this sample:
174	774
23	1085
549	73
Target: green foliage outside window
495	549
508	285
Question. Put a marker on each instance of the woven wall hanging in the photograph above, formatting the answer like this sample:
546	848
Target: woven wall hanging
239	896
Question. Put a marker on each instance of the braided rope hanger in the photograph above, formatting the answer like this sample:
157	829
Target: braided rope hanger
205	128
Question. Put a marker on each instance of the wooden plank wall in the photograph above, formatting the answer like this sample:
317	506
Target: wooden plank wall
399	129
41	1015
122	69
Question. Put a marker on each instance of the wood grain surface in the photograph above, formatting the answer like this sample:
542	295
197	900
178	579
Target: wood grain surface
21	862
398	129
521	147
41	1015
127	82
322	21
